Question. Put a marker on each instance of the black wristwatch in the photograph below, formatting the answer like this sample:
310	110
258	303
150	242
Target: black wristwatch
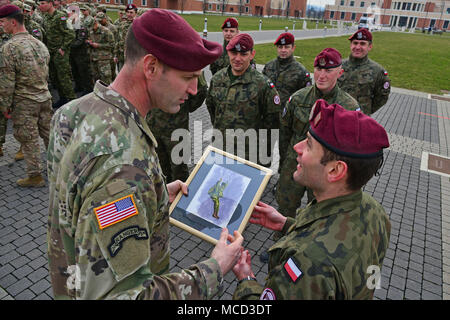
247	278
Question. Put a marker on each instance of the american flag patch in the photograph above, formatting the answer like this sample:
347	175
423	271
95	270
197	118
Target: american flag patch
115	211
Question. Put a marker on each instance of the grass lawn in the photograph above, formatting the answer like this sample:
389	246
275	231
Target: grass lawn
414	61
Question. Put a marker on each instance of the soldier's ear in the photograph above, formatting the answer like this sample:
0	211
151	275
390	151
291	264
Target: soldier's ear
336	170
150	65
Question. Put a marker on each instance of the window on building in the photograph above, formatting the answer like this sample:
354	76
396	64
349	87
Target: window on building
445	26
408	7
209	6
352	3
404	6
144	3
331	14
107	1
448	10
362	4
342	15
353	16
342	2
414	7
155	3
373	4
247	1
247	9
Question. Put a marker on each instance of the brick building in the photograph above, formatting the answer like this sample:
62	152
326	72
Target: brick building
401	13
291	8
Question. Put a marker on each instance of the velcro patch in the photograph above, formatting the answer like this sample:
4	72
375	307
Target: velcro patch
122	235
116	211
267	294
293	270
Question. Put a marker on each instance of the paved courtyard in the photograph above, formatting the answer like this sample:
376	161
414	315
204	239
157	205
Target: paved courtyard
417	263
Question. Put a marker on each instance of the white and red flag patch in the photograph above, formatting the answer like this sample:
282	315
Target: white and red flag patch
116	211
293	270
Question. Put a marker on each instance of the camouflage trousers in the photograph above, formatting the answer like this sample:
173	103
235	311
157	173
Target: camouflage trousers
3	127
101	70
31	120
61	74
171	170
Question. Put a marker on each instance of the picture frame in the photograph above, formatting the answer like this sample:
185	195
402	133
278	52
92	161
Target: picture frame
223	190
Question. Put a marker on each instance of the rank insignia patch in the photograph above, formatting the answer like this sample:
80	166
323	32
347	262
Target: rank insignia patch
116	211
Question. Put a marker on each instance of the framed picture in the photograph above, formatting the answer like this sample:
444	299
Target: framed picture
223	189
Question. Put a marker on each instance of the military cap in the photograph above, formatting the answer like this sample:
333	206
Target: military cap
84	7
31	3
27	7
328	58
230	23
284	38
348	133
18	3
177	44
361	34
8	10
131	6
100	16
241	43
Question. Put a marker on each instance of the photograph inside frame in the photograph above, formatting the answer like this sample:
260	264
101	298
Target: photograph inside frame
223	189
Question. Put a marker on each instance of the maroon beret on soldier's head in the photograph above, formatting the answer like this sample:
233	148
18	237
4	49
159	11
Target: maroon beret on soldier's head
328	58
230	23
8	10
241	43
284	38
176	44
348	133
361	34
131	6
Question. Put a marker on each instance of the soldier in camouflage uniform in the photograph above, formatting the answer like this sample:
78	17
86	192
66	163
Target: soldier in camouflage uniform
130	11
87	19
32	26
58	38
332	247
294	124
102	156
24	90
364	79
240	97
3	120
101	43
163	124
106	23
230	29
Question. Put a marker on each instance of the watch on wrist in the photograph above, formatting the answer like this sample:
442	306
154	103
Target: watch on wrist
247	278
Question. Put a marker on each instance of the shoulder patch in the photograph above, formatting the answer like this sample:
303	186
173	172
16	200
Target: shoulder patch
116	211
276	99
307	75
386	85
63	18
292	270
116	241
267	294
385	73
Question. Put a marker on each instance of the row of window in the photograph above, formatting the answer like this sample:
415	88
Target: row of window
361	5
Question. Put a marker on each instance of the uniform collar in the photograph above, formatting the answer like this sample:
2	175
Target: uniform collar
319	210
108	94
358	61
243	78
328	96
285	61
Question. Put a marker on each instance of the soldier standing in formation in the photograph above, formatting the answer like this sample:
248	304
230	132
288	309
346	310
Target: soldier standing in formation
240	97
93	255
364	79
58	38
230	29
130	12
105	21
24	90
328	248
101	42
294	124
4	37
32	26
163	124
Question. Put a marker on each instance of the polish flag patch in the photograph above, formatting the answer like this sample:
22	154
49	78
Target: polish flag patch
293	270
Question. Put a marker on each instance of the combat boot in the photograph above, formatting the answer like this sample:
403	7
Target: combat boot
35	181
1	151
19	155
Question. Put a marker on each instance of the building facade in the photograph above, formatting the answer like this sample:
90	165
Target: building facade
406	13
282	8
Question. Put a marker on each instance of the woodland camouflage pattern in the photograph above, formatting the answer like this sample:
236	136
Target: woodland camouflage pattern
294	123
250	101
163	124
367	82
288	75
101	149
333	243
102	55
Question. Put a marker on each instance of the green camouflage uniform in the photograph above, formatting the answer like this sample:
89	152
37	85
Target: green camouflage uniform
163	124
33	28
249	101
3	121
294	123
333	244
58	35
222	62
24	89
288	75
80	61
102	150
101	56
367	82
120	42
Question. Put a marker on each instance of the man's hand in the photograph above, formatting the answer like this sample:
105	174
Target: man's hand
228	254
174	187
268	217
243	268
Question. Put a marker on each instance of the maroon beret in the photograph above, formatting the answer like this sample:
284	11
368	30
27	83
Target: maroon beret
347	133
328	58
361	34
230	23
284	38
131	6
176	44
241	43
8	10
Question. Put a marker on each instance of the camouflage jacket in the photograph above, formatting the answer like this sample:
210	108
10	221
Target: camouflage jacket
120	41
294	120
367	82
328	252
222	62
105	40
288	75
24	70
101	157
57	33
163	123
34	28
249	101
